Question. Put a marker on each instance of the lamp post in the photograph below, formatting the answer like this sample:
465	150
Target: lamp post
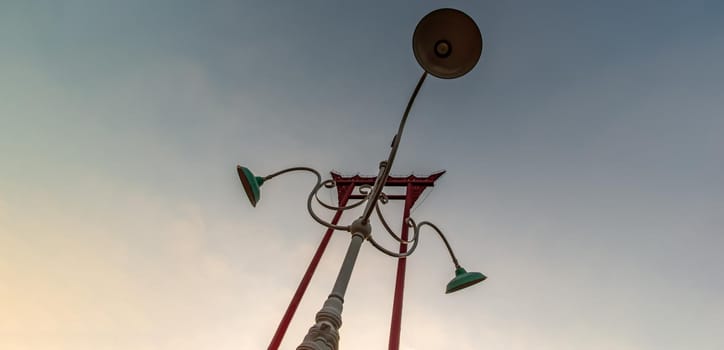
447	44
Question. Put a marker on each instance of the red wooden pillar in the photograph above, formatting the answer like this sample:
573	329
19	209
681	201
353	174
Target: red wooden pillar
413	192
344	192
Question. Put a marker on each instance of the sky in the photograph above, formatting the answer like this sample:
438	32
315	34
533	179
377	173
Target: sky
585	174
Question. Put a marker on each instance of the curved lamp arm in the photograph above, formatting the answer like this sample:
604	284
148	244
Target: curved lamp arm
442	236
383	200
311	196
297	168
415	239
393	254
385	167
364	190
462	279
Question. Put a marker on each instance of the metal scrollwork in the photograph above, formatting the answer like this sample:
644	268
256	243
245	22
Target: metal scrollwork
365	190
409	252
314	215
331	184
415	239
398	238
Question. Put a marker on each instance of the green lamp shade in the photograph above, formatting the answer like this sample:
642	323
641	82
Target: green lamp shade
251	184
463	279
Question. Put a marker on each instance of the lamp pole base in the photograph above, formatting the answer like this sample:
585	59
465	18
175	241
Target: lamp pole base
324	335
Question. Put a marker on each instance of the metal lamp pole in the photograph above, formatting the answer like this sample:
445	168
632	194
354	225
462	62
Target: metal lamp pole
324	335
447	44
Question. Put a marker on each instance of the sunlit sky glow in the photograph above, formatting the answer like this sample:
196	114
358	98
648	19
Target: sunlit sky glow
584	164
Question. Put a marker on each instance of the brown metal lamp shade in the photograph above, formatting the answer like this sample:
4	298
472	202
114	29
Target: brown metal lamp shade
447	43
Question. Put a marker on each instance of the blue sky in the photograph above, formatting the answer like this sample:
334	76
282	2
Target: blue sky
583	156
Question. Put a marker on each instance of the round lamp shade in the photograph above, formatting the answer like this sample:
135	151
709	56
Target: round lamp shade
250	183
463	279
447	43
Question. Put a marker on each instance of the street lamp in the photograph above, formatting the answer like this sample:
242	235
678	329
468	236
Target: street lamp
447	44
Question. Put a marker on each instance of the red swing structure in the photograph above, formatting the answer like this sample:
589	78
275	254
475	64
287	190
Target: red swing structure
414	187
